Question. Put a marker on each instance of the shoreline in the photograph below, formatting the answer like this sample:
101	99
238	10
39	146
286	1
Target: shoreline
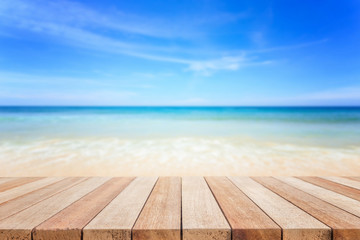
174	157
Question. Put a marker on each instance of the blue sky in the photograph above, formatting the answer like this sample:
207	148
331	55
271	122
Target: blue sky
114	52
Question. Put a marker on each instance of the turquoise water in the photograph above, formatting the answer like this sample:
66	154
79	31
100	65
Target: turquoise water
329	126
130	141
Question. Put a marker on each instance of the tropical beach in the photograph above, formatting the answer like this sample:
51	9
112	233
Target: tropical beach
179	120
185	141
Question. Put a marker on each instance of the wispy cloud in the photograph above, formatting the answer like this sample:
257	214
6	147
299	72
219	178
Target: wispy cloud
207	67
70	22
77	14
77	25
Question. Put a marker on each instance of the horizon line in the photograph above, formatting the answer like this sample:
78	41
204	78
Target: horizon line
195	106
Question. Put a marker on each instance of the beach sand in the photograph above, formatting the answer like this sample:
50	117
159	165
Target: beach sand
173	156
168	141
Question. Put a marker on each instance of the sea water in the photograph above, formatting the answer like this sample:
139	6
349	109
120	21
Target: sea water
179	141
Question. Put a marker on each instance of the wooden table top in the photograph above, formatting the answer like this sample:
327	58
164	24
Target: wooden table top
191	208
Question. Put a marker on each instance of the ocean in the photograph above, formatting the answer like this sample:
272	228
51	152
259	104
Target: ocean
124	141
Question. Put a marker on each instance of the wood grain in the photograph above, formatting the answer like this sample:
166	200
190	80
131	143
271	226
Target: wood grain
354	178
117	219
211	208
16	205
16	182
20	225
26	188
160	218
345	225
247	220
202	218
295	223
344	181
333	186
5	179
341	201
68	224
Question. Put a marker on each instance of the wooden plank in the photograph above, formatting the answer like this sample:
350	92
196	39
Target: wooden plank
246	219
20	225
117	219
68	224
354	178
345	225
160	218
202	218
13	206
27	188
344	181
341	201
5	179
16	182
296	223
333	186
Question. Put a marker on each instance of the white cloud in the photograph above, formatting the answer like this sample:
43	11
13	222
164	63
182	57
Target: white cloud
74	24
232	63
77	14
71	30
228	63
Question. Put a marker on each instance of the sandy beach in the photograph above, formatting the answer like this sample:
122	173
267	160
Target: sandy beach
178	156
179	141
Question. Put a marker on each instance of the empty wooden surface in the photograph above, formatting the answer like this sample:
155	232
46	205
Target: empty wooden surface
161	217
221	208
16	182
344	181
68	224
341	201
345	225
354	178
296	224
21	224
334	186
16	205
5	179
202	218
246	219
117	219
26	188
